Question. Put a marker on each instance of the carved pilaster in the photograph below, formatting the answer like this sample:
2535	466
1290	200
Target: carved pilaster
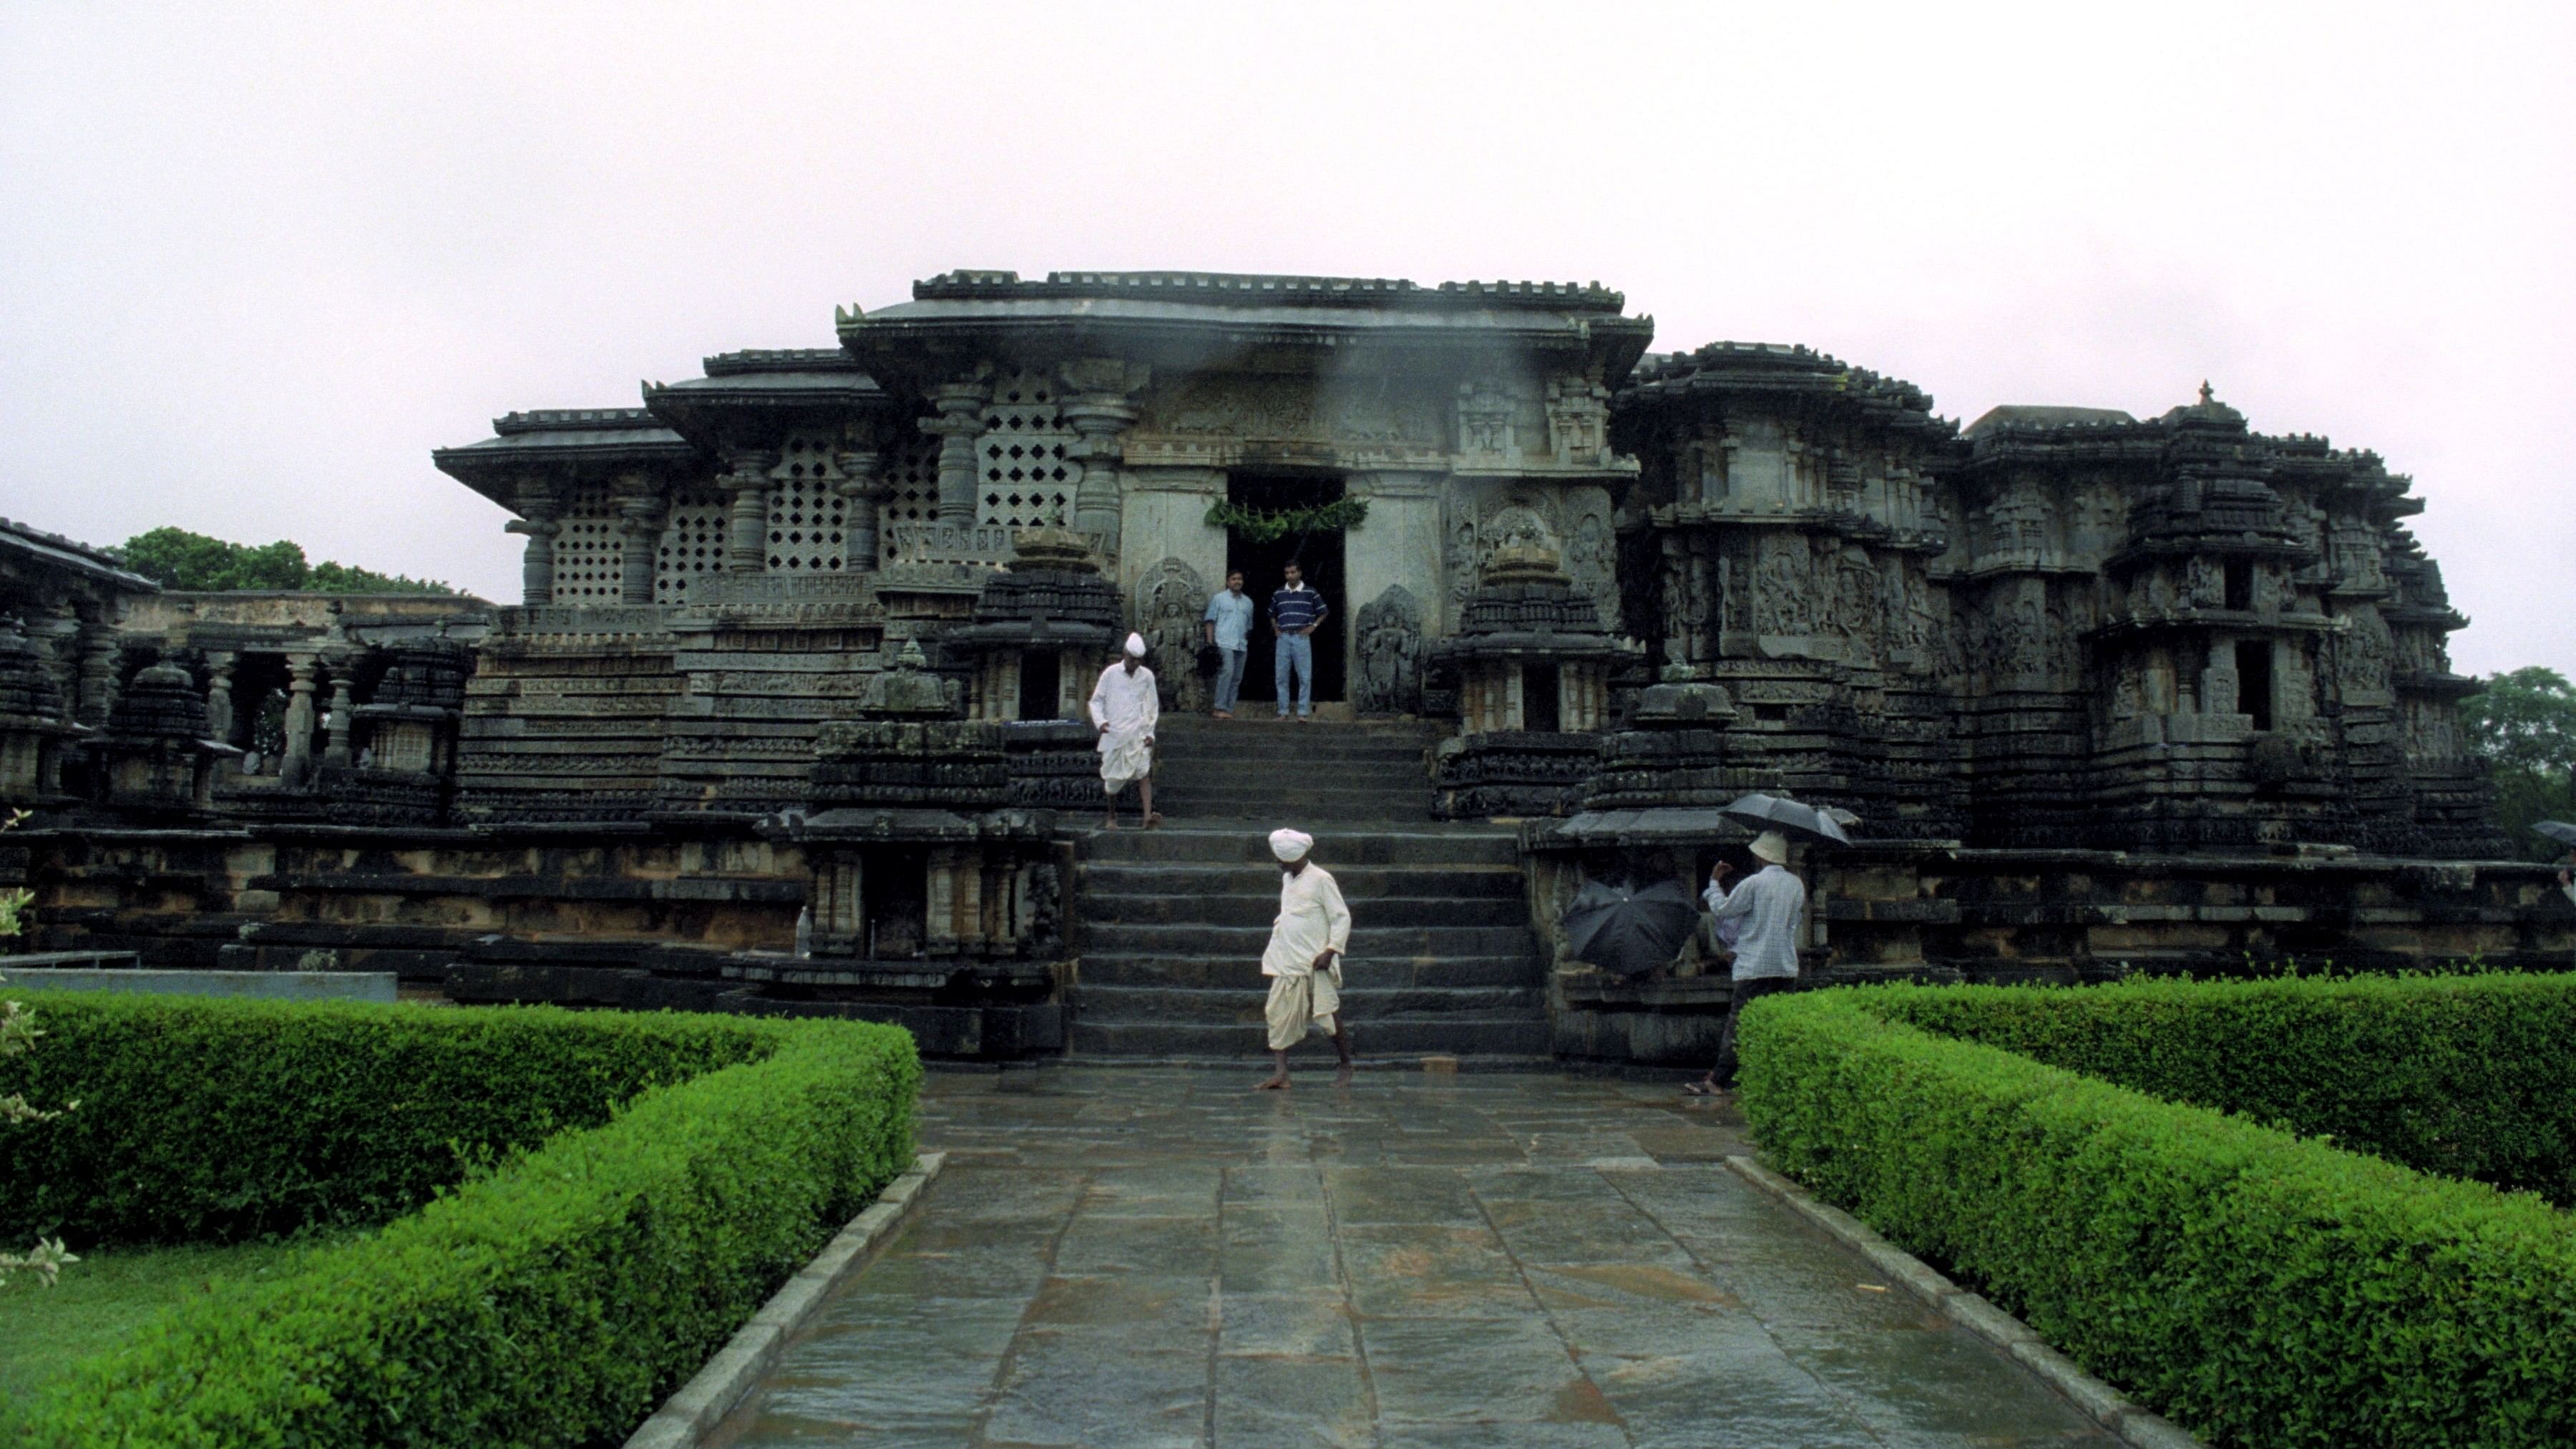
219	695
297	768
747	537
536	520
639	532
1102	420
861	487
335	749
959	424
98	654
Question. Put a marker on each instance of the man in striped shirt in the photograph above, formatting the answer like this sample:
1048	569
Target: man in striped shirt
1295	610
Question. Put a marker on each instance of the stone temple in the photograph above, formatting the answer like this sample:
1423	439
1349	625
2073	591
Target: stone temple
789	717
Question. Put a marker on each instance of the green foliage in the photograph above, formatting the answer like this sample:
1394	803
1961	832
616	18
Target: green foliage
2255	1286
2465	1076
45	1333
1260	527
553	1300
2524	723
214	1120
177	559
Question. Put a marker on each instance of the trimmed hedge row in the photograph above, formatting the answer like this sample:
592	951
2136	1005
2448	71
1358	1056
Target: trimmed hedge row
553	1301
2466	1076
211	1120
2253	1286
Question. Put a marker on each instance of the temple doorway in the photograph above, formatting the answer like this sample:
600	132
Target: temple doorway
1263	561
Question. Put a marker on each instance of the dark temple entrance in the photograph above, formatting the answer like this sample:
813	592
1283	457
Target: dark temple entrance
1262	563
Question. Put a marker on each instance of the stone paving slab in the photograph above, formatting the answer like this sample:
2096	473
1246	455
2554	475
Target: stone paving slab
1141	1256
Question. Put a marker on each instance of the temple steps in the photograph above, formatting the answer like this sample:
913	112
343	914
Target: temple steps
1265	771
1206	845
1517	1038
1121	969
1245	943
1103	908
1171	923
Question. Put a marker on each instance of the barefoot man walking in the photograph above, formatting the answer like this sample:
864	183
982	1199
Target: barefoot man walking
1124	709
1304	961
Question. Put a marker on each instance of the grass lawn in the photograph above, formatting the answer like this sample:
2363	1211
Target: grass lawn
106	1295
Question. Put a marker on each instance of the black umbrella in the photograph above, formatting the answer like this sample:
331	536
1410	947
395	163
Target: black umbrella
2558	830
1630	930
1771	812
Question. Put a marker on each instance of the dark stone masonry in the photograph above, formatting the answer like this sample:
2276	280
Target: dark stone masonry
790	715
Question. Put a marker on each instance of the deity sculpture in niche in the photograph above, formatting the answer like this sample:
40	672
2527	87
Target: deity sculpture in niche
1390	654
2367	652
1170	602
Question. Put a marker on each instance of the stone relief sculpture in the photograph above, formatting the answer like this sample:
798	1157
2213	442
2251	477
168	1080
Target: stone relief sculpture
1170	601
1390	654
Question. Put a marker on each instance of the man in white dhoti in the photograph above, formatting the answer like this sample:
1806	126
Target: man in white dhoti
1124	709
1304	960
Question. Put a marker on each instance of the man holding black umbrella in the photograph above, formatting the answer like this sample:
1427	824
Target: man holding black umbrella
1772	904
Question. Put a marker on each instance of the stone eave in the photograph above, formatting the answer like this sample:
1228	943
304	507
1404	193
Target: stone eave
2209	621
53	550
765	391
562	445
1724	370
919	341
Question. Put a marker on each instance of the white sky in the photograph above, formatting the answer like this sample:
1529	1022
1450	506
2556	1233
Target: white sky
254	266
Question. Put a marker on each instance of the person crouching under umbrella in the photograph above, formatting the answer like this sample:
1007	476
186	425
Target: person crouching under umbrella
1304	959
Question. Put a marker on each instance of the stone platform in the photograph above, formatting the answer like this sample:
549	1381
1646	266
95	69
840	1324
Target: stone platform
1143	1257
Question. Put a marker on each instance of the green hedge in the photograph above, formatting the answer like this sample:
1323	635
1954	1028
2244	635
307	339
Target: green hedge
209	1120
553	1301
2466	1076
2256	1287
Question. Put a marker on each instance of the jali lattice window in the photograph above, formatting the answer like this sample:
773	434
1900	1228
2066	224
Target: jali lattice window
805	510
693	543
1026	468
911	491
587	564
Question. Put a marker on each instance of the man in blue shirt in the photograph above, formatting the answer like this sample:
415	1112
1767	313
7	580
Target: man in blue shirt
1294	612
1228	626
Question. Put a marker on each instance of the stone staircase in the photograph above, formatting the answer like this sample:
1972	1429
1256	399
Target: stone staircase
1172	921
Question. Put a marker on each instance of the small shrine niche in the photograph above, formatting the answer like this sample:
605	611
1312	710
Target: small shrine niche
1041	627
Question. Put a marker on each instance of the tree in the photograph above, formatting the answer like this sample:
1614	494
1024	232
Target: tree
2524	723
174	558
17	1034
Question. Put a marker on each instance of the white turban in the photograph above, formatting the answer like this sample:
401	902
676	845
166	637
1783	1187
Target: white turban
1290	845
1136	645
1772	846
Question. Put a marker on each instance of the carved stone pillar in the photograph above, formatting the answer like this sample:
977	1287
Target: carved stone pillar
219	695
639	533
297	768
747	540
98	654
959	424
1102	421
540	527
335	749
860	490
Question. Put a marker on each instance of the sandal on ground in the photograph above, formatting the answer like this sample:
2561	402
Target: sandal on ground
1699	1089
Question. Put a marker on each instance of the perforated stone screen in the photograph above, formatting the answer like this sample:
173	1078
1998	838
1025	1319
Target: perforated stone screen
692	543
911	491
1026	469
587	568
805	510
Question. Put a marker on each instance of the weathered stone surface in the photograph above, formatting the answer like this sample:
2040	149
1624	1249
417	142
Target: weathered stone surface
1128	1257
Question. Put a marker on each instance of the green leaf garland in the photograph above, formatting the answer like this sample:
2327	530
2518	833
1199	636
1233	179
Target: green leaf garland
1259	527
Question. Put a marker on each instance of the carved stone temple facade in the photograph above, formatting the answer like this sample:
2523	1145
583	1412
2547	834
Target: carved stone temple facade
2078	673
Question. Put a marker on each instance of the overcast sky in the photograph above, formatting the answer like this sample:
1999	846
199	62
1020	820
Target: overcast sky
254	266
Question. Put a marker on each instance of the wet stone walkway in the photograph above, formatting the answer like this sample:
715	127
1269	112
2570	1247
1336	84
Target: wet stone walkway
1150	1257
